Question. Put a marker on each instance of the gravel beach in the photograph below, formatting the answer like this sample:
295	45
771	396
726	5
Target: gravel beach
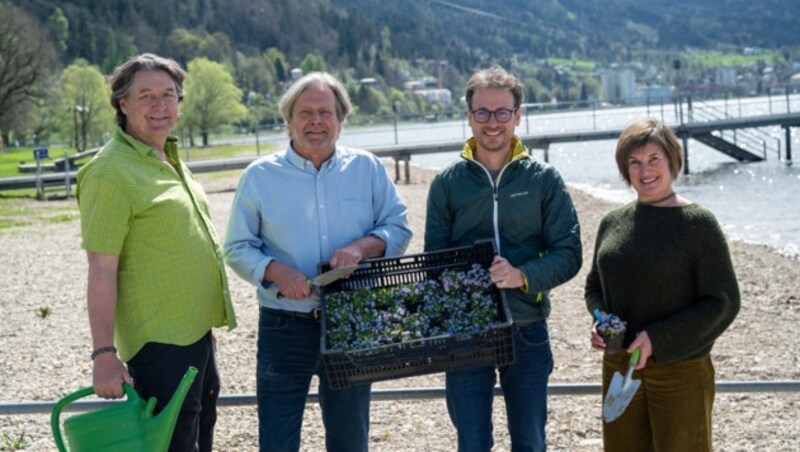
45	343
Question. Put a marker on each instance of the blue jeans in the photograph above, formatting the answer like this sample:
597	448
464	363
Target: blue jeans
288	356
524	384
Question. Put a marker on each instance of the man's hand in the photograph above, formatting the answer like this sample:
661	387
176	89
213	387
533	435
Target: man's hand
108	375
353	253
504	275
291	282
346	256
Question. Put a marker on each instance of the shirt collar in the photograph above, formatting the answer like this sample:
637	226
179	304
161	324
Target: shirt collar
144	149
302	163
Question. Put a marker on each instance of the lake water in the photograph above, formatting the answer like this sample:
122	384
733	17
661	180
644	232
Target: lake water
755	202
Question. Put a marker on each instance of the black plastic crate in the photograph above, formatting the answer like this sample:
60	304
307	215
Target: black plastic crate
493	346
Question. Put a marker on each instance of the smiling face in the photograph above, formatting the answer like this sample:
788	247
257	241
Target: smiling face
493	136
151	107
649	172
314	126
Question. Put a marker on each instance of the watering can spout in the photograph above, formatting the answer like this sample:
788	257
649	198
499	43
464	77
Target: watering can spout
160	427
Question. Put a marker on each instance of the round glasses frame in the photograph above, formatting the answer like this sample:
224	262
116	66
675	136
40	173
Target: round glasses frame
502	115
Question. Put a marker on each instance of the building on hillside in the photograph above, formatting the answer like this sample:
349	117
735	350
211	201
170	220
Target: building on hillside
436	96
725	76
619	85
655	94
794	83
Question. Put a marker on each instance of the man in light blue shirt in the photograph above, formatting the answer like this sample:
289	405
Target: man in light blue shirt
315	202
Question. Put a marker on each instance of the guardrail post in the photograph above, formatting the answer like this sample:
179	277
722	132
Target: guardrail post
67	187
788	145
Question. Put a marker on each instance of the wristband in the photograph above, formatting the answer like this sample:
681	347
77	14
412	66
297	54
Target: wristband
101	350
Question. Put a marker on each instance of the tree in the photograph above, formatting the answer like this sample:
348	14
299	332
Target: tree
26	57
278	59
59	27
312	63
85	103
212	98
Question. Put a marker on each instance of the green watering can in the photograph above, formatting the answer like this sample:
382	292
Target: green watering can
126	426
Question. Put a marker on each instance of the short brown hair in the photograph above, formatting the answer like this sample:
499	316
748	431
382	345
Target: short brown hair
316	79
494	78
642	132
122	78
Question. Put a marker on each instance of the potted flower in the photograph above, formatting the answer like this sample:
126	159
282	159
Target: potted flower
612	328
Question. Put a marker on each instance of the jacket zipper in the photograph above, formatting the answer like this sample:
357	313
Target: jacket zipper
495	201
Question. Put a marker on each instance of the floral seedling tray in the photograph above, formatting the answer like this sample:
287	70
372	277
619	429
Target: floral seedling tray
423	339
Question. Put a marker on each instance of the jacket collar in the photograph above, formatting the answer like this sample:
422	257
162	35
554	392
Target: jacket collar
517	150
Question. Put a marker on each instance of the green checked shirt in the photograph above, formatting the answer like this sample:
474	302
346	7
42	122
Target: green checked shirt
171	283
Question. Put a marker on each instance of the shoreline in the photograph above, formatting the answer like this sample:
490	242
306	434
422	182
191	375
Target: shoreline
46	357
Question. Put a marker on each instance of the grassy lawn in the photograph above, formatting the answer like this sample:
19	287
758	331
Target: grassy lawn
11	158
19	212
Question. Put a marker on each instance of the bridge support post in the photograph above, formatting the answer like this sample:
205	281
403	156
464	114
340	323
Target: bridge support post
788	145
407	160
685	139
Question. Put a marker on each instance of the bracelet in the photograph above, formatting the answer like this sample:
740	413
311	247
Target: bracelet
101	350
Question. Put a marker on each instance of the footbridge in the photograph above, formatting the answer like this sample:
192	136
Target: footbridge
740	137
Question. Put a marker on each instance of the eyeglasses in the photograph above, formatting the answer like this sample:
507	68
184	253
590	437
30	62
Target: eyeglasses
502	115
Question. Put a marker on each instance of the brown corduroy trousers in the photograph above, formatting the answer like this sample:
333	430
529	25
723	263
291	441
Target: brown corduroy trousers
671	411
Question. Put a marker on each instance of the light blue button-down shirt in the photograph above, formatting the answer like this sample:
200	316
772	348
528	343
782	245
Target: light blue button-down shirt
285	209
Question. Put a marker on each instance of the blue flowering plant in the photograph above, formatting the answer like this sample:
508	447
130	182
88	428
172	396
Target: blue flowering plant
457	302
611	325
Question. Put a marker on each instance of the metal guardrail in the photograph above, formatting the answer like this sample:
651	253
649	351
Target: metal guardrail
381	395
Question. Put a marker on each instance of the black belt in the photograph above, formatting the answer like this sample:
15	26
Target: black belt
314	314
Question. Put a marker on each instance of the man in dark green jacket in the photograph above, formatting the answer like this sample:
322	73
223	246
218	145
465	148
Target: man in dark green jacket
497	191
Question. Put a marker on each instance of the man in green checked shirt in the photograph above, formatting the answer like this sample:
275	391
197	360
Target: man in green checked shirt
157	283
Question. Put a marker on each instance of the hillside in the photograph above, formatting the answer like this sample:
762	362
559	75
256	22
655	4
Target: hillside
464	32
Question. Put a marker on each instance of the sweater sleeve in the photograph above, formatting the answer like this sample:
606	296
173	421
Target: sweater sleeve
593	289
693	330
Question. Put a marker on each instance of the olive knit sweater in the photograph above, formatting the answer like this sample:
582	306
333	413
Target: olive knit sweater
666	271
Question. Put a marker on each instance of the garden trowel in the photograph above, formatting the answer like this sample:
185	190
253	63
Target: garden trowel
328	277
621	391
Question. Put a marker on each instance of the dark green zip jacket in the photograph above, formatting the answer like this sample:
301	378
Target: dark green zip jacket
526	210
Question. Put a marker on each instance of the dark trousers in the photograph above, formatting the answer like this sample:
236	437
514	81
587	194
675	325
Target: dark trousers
158	369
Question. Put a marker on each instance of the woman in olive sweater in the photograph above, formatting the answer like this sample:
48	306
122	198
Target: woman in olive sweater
661	263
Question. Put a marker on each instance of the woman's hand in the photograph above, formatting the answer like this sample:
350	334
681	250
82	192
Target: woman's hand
596	339
645	348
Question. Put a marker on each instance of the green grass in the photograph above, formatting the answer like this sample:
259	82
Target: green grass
10	158
21	212
580	65
710	60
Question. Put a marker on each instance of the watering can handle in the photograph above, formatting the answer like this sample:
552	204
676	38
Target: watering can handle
55	423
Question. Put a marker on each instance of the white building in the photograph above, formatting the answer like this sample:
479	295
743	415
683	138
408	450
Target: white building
725	76
436	96
619	85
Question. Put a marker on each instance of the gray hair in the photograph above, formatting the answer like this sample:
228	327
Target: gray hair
122	78
316	79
